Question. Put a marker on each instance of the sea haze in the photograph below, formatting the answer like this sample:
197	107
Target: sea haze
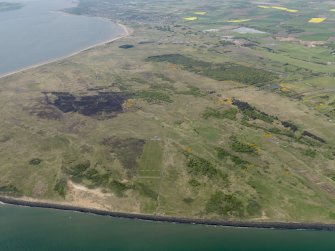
40	32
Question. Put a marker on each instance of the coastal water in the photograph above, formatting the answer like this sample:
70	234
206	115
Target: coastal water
26	229
39	32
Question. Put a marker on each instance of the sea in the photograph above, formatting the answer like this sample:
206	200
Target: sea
38	229
41	31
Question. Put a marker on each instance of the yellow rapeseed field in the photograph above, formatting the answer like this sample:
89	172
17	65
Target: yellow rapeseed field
190	18
317	20
238	20
277	8
292	11
200	13
264	7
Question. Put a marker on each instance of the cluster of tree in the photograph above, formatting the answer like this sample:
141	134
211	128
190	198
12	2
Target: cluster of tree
251	112
200	166
290	125
222	154
84	171
231	206
223	71
225	204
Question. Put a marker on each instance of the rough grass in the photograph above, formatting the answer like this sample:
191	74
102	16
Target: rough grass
151	159
219	114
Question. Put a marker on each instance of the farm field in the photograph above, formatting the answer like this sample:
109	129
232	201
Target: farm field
187	116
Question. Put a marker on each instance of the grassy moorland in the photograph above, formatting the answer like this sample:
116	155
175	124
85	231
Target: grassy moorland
182	117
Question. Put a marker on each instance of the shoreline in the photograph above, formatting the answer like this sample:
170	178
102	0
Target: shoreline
171	219
126	30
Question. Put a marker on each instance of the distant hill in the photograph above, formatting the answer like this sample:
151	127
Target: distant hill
4	6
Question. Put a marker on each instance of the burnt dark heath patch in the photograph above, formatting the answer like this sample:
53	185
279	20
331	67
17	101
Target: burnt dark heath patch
88	105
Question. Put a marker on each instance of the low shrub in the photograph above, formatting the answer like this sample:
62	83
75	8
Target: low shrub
225	205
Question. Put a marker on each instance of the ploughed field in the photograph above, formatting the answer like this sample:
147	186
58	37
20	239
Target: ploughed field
185	117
